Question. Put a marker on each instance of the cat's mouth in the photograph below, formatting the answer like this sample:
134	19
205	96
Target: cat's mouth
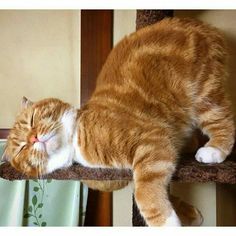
46	143
39	146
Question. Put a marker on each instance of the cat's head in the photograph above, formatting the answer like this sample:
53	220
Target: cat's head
42	129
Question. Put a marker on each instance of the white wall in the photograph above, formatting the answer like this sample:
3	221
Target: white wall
39	58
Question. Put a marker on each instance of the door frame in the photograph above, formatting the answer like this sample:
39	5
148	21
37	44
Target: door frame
96	43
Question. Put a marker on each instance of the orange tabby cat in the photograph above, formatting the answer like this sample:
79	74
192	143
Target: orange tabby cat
157	85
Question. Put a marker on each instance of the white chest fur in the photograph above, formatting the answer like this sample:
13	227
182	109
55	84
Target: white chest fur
70	127
70	152
78	157
60	159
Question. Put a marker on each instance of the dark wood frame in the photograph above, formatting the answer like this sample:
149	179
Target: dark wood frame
4	133
96	43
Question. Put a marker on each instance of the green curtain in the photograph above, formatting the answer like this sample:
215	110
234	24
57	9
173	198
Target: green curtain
42	202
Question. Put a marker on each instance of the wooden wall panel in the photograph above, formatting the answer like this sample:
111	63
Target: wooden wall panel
96	43
4	133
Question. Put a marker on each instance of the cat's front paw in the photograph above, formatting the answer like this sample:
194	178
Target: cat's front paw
210	155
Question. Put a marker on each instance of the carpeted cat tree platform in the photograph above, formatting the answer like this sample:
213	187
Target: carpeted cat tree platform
188	169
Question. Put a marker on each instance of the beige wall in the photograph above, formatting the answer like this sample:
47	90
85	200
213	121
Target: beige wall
39	58
124	24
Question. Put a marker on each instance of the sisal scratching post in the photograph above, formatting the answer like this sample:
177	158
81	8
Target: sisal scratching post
149	17
188	171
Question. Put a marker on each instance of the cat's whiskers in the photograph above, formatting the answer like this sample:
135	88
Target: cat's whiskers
41	169
45	137
38	147
57	126
39	165
52	130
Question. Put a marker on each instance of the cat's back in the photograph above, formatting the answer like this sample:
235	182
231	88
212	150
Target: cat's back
175	34
183	42
159	64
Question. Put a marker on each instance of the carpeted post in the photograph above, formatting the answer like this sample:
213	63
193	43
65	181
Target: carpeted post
149	17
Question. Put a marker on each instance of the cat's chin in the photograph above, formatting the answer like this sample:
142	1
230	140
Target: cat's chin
52	146
63	158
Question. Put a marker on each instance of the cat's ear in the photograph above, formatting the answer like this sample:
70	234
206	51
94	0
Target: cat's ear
5	157
25	103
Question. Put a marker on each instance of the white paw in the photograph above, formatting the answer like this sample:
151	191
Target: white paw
210	155
172	220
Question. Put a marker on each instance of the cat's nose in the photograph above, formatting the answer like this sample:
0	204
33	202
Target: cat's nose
34	139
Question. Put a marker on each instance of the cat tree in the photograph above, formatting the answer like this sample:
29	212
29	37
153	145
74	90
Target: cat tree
188	169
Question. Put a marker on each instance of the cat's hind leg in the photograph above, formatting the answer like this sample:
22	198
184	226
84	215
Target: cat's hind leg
215	119
152	170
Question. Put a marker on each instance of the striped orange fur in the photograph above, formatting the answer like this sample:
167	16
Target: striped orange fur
156	87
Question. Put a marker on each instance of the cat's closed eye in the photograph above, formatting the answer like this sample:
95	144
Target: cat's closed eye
21	149
32	120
